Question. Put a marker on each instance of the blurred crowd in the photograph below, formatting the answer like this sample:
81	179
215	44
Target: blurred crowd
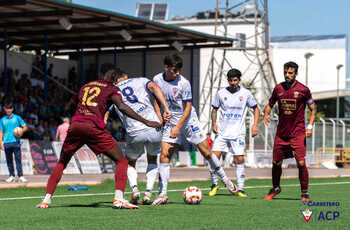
26	90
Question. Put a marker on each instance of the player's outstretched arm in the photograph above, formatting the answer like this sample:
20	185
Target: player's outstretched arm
175	131
214	126
124	108
267	111
255	127
157	110
155	89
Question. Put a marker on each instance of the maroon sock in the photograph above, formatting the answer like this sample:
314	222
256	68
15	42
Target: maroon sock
276	175
304	178
55	177
121	174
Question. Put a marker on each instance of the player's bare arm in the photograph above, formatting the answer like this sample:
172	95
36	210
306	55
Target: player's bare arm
131	113
255	127
23	130
312	118
106	117
175	131
214	113
267	111
154	88
157	110
1	142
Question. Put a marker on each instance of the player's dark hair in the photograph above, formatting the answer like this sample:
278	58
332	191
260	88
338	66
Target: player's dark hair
173	60
114	74
234	73
292	65
8	104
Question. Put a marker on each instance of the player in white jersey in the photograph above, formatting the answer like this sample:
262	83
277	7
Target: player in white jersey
138	94
233	103
183	124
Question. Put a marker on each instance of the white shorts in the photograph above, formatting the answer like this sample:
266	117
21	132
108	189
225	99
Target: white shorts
234	146
190	131
147	141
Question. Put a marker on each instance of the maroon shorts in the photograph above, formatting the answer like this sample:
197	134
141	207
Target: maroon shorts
82	132
288	148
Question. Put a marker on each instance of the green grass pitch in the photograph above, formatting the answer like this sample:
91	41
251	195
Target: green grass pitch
223	211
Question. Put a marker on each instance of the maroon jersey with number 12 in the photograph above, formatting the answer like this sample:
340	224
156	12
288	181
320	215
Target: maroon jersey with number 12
291	106
93	100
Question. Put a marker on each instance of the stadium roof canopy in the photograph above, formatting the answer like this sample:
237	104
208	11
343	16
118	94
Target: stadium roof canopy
28	23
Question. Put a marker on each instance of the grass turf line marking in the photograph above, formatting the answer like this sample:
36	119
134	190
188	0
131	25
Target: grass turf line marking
173	190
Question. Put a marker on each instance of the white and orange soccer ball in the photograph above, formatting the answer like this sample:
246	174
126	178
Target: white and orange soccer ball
192	195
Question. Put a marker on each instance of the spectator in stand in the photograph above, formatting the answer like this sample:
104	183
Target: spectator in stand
10	141
50	69
72	75
62	129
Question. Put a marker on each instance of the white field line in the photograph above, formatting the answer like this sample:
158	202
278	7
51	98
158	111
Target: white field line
174	190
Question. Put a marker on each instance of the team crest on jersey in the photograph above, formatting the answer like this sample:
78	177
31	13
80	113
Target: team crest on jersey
296	94
280	94
174	91
225	98
241	98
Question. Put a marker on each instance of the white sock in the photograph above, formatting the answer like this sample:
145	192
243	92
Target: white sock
215	165
118	194
47	198
164	172
151	175
214	177
240	175
132	177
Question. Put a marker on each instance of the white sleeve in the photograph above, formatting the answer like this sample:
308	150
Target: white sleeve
251	100
186	91
216	102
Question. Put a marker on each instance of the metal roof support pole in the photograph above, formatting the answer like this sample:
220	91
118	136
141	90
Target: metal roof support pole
266	135
46	47
343	131
192	69
144	53
97	61
115	53
81	62
251	139
5	62
323	133
313	141
333	122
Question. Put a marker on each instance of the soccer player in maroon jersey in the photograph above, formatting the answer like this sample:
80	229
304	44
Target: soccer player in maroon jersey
88	127
290	140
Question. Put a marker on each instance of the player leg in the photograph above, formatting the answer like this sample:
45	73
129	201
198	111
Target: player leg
278	155
214	177
55	177
168	149
18	158
9	161
151	175
132	178
240	174
215	165
237	148
121	177
134	149
299	146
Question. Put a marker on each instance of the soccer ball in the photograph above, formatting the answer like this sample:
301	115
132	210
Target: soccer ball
192	195
18	131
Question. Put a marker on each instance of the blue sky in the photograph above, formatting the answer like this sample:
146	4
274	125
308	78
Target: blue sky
287	17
